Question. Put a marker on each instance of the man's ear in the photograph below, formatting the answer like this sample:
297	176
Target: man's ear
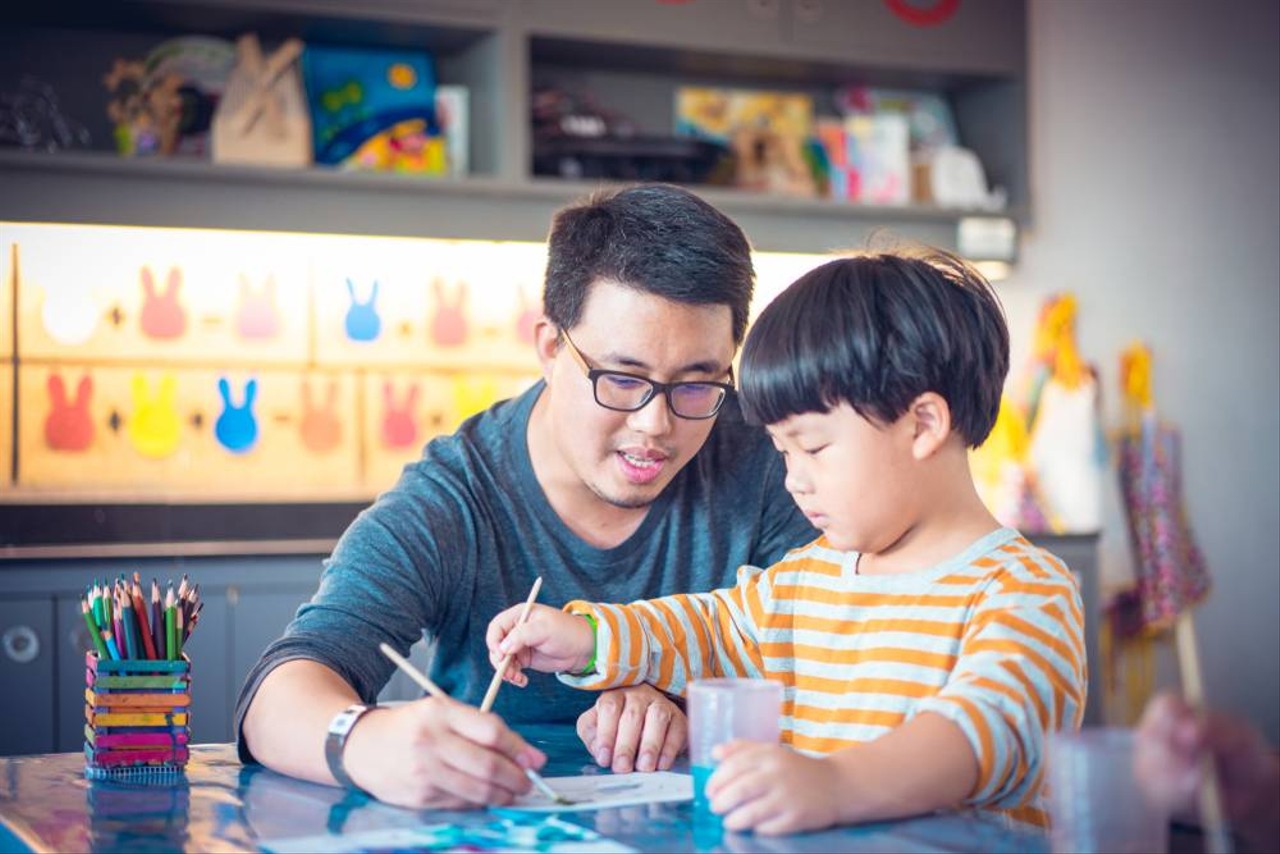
546	343
931	424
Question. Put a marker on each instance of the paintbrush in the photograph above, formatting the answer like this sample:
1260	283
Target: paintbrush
496	682
406	666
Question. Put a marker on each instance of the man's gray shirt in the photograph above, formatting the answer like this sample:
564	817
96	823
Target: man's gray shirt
467	529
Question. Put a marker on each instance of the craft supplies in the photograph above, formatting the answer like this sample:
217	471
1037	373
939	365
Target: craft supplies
138	681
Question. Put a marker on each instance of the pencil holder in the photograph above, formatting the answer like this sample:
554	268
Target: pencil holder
137	717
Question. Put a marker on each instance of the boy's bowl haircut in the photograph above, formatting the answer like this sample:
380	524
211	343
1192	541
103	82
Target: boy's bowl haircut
876	331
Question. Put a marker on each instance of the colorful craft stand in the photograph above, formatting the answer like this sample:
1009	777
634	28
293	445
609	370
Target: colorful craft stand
137	717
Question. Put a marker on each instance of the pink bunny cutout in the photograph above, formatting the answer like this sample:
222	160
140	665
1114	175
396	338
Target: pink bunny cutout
162	315
449	325
399	426
257	317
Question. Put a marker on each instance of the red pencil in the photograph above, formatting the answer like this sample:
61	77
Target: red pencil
140	610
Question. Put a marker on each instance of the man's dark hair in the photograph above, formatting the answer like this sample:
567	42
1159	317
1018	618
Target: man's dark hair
655	238
875	332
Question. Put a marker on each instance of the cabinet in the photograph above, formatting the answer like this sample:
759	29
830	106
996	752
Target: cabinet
629	55
27	675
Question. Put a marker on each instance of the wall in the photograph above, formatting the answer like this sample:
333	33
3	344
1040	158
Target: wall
1153	134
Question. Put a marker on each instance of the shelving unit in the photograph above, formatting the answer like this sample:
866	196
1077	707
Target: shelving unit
631	55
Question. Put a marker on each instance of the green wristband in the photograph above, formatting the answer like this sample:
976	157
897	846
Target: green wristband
591	662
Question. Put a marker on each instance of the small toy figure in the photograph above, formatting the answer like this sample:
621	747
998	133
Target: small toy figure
146	110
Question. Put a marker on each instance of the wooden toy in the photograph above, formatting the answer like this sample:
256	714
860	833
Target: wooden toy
262	118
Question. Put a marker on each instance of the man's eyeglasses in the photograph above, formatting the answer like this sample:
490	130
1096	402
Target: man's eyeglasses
625	392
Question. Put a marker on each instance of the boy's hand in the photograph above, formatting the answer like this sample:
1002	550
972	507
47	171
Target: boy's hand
772	789
550	641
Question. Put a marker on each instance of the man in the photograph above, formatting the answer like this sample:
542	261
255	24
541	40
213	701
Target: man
625	473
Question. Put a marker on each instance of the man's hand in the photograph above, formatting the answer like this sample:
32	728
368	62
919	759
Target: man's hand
773	790
440	754
636	728
549	640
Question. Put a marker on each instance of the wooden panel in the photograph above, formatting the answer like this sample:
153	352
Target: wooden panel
404	409
8	276
427	303
175	295
137	431
6	426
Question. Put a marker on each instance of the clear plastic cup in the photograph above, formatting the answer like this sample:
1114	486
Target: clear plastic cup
1095	803
722	710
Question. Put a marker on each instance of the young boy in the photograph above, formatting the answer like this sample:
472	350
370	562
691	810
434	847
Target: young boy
926	651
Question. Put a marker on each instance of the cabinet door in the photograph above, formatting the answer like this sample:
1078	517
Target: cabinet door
213	691
26	674
730	25
977	36
73	642
258	617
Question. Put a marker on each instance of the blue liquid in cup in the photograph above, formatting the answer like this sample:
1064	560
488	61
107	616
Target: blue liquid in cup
701	804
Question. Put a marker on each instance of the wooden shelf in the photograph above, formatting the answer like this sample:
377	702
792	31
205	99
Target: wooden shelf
97	187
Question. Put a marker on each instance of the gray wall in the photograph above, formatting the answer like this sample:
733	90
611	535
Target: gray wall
1154	147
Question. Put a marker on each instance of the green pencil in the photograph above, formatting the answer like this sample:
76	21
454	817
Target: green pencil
170	626
94	632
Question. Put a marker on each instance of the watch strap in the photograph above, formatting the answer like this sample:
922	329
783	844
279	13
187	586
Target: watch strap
335	742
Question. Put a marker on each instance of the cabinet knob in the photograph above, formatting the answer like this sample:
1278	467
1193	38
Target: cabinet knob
21	644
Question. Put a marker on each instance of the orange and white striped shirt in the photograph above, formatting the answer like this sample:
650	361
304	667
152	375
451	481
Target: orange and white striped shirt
992	639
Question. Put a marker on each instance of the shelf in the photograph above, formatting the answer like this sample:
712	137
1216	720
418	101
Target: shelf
95	187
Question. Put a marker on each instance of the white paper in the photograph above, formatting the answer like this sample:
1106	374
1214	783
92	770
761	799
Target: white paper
602	791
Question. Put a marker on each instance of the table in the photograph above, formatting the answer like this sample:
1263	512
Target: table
46	804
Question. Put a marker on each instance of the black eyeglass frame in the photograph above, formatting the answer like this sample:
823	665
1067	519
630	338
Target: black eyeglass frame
655	387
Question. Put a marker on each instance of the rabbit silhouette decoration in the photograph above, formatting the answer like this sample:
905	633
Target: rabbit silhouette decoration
399	427
236	428
163	316
320	428
449	325
154	428
363	322
527	319
69	314
68	426
257	317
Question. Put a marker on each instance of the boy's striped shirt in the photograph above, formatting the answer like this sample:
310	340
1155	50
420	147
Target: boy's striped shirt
992	639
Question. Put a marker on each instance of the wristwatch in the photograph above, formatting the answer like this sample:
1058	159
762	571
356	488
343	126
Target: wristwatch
336	741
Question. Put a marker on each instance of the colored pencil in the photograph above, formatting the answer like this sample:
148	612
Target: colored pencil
144	627
94	632
157	619
496	682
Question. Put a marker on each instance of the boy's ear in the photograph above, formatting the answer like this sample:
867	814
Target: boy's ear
931	424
